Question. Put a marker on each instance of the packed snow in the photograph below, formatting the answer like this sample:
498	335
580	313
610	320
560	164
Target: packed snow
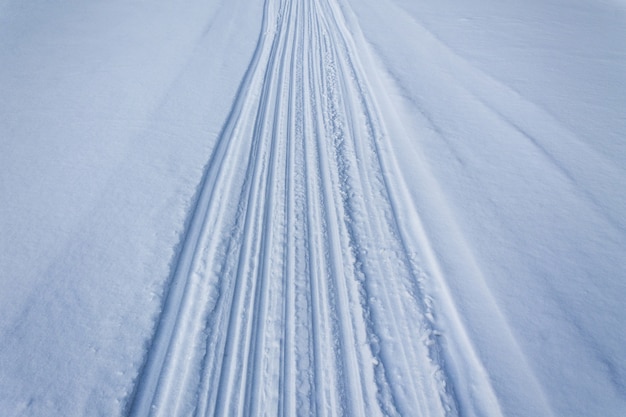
313	207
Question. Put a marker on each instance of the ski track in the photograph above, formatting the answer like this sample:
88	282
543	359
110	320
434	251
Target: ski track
294	292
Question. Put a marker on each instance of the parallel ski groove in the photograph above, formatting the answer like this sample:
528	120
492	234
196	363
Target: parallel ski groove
295	292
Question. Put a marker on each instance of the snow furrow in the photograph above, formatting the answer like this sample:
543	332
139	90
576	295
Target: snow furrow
295	293
393	255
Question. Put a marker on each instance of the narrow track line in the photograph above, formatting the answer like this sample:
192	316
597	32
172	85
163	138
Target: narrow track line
288	389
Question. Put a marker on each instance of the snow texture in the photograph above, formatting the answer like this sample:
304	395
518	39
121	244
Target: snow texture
312	207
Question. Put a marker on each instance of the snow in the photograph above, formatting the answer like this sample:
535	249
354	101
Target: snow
536	192
328	207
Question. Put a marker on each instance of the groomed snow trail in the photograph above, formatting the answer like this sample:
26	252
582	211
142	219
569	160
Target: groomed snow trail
294	292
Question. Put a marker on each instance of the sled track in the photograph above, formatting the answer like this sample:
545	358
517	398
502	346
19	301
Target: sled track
294	292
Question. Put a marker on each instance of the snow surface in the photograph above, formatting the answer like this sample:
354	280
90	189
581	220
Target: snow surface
312	207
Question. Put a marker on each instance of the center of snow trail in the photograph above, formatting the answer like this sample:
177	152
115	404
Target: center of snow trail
294	292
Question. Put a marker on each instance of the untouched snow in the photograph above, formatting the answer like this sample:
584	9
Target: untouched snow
312	207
